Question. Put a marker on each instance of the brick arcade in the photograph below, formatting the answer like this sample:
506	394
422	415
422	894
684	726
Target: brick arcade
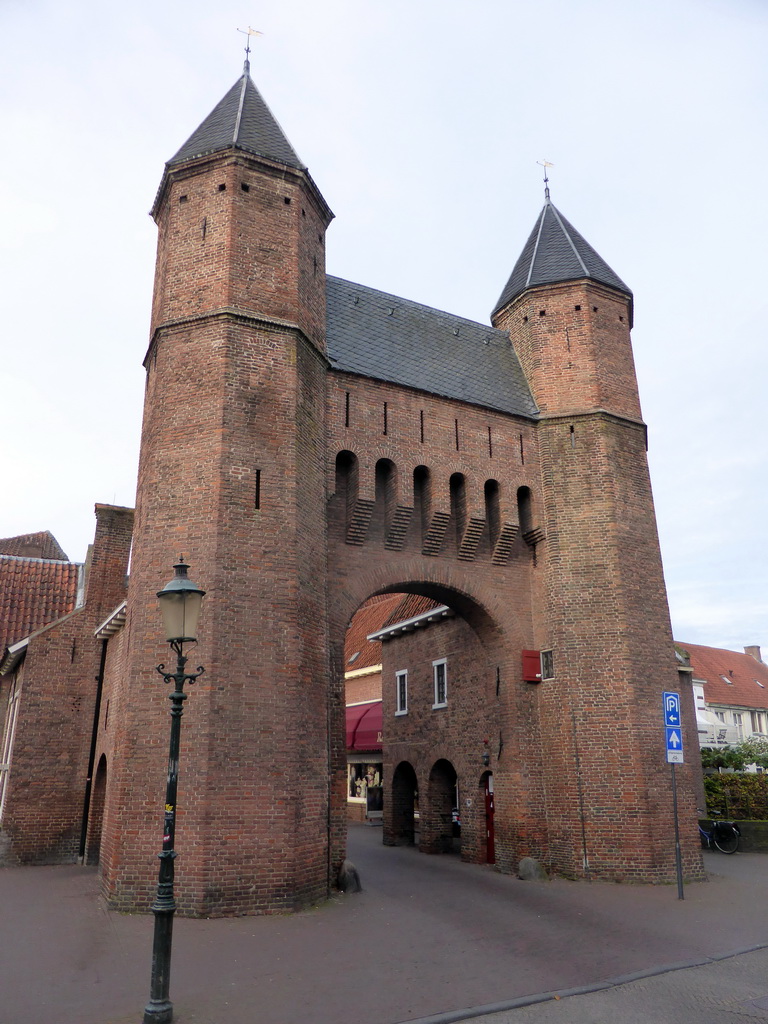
309	442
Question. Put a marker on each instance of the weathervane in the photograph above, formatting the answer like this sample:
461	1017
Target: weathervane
545	164
248	32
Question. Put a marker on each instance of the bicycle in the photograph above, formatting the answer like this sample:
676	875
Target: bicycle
724	834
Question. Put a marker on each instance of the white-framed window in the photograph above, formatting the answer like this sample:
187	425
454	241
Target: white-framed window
547	665
440	680
720	716
401	692
757	721
737	721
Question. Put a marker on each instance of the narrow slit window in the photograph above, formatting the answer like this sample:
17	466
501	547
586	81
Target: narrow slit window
440	680
257	491
401	692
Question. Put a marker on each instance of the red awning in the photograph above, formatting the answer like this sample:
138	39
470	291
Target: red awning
364	726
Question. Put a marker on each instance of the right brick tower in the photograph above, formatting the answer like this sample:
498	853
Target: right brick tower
602	601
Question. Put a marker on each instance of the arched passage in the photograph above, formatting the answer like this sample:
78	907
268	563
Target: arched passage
97	812
438	812
399	826
452	696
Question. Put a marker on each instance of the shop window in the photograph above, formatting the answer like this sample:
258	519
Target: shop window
365	787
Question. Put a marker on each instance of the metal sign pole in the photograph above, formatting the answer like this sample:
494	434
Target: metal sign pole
678	857
674	734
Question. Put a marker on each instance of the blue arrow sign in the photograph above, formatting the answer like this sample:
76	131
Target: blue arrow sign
672	709
672	728
674	739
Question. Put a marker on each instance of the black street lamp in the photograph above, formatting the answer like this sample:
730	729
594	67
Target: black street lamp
180	603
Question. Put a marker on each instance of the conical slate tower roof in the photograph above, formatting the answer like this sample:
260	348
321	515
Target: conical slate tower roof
243	120
555	251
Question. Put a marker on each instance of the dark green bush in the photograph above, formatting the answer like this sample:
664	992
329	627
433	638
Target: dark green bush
741	795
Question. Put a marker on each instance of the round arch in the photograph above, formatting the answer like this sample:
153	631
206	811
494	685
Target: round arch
439	811
399	828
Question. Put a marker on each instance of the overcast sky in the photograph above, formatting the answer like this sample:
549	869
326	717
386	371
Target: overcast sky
422	123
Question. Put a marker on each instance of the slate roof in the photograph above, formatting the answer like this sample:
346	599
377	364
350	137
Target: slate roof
33	593
33	545
747	684
555	251
241	119
378	335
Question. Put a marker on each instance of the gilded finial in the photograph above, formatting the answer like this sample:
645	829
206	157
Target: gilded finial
248	32
545	164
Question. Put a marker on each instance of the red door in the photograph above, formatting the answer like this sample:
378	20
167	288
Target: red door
489	840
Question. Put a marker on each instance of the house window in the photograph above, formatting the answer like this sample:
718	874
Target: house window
757	721
720	716
547	665
440	679
401	684
737	721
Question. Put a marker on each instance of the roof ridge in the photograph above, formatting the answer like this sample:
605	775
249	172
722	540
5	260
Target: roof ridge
536	246
415	302
48	561
569	239
236	132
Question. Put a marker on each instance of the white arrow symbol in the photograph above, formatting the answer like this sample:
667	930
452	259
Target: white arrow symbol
674	740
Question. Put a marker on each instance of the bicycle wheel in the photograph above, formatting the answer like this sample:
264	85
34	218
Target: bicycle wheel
726	839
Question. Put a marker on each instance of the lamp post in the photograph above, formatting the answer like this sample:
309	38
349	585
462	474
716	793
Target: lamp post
180	603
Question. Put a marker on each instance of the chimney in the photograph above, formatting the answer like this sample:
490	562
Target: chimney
107	562
754	651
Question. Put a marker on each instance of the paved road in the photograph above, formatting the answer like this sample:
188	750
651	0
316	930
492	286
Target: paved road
428	936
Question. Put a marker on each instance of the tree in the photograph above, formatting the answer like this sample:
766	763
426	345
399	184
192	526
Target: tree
738	756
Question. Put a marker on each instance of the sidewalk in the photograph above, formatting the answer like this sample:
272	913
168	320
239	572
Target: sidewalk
428	936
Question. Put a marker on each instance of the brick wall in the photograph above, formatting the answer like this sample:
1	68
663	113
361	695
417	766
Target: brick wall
362	688
43	815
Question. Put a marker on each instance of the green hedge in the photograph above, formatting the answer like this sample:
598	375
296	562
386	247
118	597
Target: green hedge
741	795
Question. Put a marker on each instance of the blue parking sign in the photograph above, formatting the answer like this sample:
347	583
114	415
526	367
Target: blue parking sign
672	709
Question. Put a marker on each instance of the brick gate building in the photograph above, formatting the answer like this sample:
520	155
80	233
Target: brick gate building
309	442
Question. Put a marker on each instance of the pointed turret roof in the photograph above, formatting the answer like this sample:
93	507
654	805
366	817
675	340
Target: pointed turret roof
555	251
241	120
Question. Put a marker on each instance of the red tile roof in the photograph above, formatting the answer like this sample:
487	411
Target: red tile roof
34	592
410	606
33	545
378	612
747	678
359	652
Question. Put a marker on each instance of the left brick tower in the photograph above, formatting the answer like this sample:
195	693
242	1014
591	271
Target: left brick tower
232	475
